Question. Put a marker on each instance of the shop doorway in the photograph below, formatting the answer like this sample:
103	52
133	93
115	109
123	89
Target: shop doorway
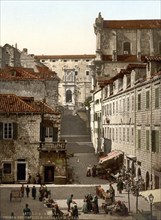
49	174
156	181
21	171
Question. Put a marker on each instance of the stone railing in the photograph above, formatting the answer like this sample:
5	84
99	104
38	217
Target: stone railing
54	146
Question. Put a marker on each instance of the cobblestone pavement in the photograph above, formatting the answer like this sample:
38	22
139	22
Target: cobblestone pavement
59	193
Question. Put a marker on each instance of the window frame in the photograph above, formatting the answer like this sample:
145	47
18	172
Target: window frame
157	98
7	131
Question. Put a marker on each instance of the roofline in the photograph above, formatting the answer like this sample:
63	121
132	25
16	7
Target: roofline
70	56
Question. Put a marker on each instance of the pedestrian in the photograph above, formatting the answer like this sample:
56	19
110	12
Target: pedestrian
88	170
27	212
69	201
34	192
94	169
22	190
95	207
75	212
120	185
112	192
27	191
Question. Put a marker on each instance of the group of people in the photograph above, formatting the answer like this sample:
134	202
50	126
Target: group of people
91	170
43	192
90	204
26	189
37	179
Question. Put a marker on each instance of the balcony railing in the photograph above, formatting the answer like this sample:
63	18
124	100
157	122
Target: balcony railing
54	146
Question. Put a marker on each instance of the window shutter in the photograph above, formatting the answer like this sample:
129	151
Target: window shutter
1	130
55	134
157	141
14	131
153	141
42	133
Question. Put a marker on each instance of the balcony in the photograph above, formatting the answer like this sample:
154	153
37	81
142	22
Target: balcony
54	146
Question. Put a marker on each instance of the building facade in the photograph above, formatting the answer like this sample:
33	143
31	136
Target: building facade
42	84
30	141
75	77
127	70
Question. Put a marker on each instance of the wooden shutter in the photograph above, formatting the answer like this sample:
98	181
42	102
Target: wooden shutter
42	132
153	141
55	134
14	131
1	130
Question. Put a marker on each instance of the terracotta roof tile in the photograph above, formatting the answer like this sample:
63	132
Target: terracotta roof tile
10	103
20	73
132	24
85	56
40	106
153	58
136	66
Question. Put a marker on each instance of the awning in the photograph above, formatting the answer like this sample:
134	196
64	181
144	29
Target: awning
155	192
131	157
112	155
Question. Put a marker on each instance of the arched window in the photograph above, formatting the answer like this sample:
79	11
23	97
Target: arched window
126	48
68	96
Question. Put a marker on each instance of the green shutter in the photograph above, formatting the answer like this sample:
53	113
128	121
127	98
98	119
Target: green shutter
14	131
1	130
157	141
42	132
153	141
55	134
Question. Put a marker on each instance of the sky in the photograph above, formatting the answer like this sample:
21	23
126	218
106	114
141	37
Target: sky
65	27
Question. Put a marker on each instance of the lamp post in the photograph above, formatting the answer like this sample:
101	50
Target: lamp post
128	191
151	198
137	195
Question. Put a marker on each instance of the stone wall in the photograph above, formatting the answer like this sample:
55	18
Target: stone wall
39	89
24	148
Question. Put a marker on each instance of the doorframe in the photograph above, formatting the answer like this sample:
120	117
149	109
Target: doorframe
49	165
26	169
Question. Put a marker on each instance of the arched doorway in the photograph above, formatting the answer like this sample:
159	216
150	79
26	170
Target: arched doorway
68	96
147	180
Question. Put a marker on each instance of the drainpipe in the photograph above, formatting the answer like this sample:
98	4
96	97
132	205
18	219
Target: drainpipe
151	178
135	120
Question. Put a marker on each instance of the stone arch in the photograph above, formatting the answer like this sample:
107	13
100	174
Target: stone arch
68	95
147	180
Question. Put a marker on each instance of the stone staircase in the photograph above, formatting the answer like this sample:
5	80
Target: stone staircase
74	128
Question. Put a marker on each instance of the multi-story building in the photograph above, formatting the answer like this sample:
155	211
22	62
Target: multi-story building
40	84
75	75
127	58
30	141
12	56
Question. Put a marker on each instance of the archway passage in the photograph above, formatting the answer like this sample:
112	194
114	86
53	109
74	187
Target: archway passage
147	180
68	96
